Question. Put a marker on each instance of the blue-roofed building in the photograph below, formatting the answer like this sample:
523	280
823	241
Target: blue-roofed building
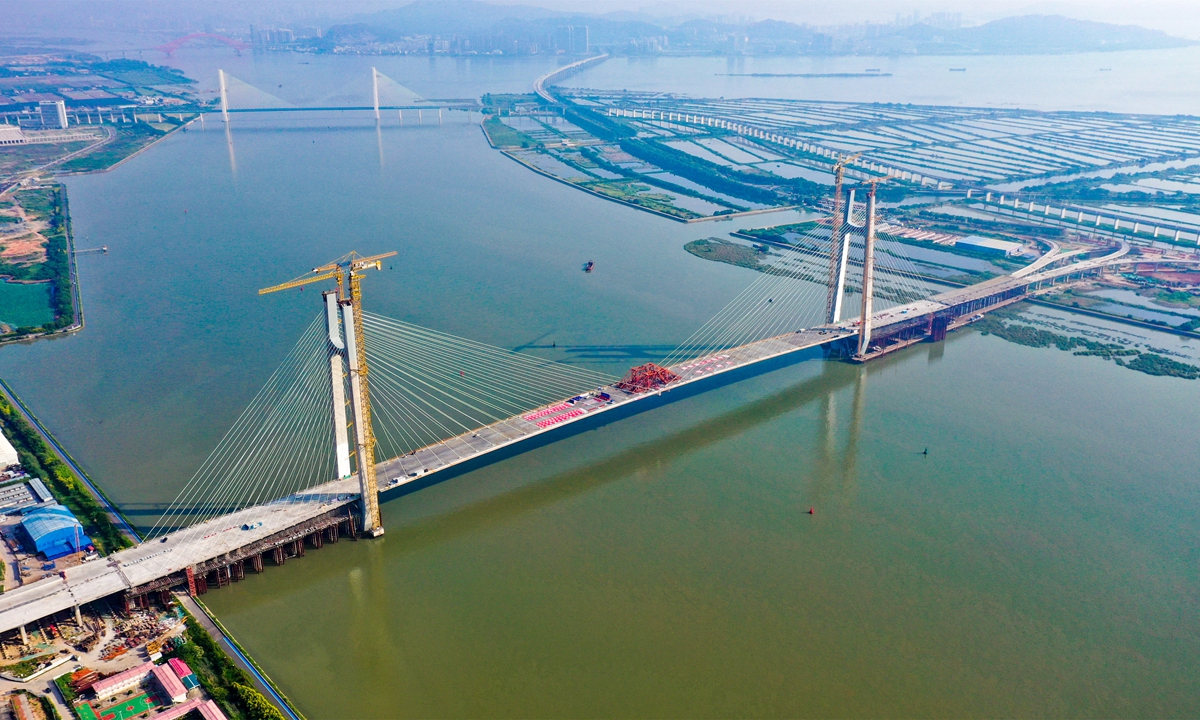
54	531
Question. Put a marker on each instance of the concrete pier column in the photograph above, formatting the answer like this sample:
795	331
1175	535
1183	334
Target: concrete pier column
1155	231
1136	227
968	192
1116	224
1080	218
987	198
1062	213
1047	209
1177	235
24	637
1097	219
78	616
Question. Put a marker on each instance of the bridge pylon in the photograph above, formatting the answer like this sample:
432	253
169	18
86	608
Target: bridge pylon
868	281
347	350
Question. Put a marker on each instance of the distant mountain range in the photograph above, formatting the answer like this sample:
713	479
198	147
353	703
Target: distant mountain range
458	26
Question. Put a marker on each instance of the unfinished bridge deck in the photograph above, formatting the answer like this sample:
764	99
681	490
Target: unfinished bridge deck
229	538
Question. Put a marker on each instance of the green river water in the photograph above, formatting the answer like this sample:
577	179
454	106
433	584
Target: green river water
1042	559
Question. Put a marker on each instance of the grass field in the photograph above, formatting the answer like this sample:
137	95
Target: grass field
502	135
19	158
25	305
129	140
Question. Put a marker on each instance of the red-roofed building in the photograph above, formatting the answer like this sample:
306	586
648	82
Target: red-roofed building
122	681
207	709
171	686
184	673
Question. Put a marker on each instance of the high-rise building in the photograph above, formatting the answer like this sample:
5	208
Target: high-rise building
571	39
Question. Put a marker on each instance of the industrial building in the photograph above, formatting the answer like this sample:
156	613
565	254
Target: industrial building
18	496
989	246
53	531
8	453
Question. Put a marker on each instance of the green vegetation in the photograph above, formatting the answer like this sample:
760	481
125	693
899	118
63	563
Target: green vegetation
23	305
257	706
725	251
1149	363
26	667
1154	364
47	705
502	135
64	686
778	233
129	139
1178	298
638	194
227	684
737	183
47	204
592	155
20	158
137	72
1091	190
598	124
38	460
48	708
504	103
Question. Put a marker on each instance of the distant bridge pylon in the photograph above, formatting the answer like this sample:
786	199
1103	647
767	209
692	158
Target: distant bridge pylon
383	93
171	47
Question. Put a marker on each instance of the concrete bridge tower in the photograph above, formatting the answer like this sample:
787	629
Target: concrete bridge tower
344	326
868	283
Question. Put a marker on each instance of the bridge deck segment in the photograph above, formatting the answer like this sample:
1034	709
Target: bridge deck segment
224	540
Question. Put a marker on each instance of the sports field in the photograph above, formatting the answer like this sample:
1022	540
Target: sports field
123	710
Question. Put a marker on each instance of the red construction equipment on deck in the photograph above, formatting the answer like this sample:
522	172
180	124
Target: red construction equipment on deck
646	377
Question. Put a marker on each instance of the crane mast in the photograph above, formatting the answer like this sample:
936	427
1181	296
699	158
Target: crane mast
837	240
347	349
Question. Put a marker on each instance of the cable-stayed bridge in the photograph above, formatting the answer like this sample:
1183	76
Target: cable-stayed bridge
382	93
298	468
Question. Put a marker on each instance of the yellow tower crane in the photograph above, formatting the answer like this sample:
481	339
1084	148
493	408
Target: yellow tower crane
347	271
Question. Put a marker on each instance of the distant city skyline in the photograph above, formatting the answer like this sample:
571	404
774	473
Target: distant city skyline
1176	17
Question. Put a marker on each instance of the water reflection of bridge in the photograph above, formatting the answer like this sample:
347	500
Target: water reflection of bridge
439	402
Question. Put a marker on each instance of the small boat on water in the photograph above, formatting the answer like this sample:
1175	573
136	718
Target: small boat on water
871	70
958	69
587	266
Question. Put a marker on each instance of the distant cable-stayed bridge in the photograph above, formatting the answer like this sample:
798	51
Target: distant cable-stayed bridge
299	467
384	93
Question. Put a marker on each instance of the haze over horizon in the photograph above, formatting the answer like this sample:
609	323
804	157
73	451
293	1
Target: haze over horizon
33	17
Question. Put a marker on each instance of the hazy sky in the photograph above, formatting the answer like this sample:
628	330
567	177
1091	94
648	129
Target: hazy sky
1178	17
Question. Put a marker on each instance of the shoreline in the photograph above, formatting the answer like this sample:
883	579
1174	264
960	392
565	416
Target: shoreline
115	515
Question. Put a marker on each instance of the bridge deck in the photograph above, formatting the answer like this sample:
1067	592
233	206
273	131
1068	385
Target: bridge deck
224	536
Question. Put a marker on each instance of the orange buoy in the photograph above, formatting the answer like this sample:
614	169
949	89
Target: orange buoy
812	511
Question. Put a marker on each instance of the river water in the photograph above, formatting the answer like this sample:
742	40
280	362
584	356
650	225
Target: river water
1041	559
